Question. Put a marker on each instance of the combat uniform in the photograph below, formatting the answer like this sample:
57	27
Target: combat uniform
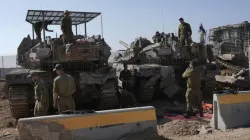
184	32
66	27
193	76
125	77
38	28
64	86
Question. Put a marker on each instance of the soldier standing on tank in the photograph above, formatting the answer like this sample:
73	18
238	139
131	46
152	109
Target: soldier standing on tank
63	89
184	34
125	77
38	26
41	95
66	27
157	37
193	76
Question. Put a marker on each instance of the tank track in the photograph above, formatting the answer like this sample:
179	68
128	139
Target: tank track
233	68
19	101
109	97
145	94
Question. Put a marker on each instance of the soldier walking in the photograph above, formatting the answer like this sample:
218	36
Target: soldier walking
41	95
63	89
193	93
66	27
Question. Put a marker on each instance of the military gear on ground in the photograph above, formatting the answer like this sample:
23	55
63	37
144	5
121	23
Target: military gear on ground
42	99
193	93
66	27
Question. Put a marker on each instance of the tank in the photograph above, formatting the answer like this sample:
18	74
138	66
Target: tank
231	52
85	59
157	66
231	43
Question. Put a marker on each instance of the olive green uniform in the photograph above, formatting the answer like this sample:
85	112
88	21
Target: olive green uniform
38	28
64	86
193	76
125	76
66	27
42	99
184	32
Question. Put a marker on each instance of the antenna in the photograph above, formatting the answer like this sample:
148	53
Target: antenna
162	18
101	26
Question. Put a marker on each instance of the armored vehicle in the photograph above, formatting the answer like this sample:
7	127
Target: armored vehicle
85	59
157	67
231	51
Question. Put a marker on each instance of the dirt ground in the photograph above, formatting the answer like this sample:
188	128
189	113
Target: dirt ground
167	130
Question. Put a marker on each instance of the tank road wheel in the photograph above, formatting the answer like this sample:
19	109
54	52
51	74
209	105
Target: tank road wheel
19	101
109	98
145	94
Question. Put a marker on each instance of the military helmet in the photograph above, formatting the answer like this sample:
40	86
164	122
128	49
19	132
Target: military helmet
194	63
58	67
66	12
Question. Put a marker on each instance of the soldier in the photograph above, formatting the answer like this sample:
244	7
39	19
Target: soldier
41	95
193	76
184	32
38	26
66	27
63	89
125	77
157	37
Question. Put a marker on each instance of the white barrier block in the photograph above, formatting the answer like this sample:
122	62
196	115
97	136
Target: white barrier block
101	125
231	110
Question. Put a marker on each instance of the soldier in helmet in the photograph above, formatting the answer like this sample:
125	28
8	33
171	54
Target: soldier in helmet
66	27
41	95
157	37
193	76
63	89
38	26
125	77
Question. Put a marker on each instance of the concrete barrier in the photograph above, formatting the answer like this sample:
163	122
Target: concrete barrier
101	125
231	110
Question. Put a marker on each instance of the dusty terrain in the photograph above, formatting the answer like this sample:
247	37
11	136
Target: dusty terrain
167	130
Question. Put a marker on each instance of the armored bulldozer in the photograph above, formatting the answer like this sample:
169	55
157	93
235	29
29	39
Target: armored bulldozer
231	52
85	59
157	67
